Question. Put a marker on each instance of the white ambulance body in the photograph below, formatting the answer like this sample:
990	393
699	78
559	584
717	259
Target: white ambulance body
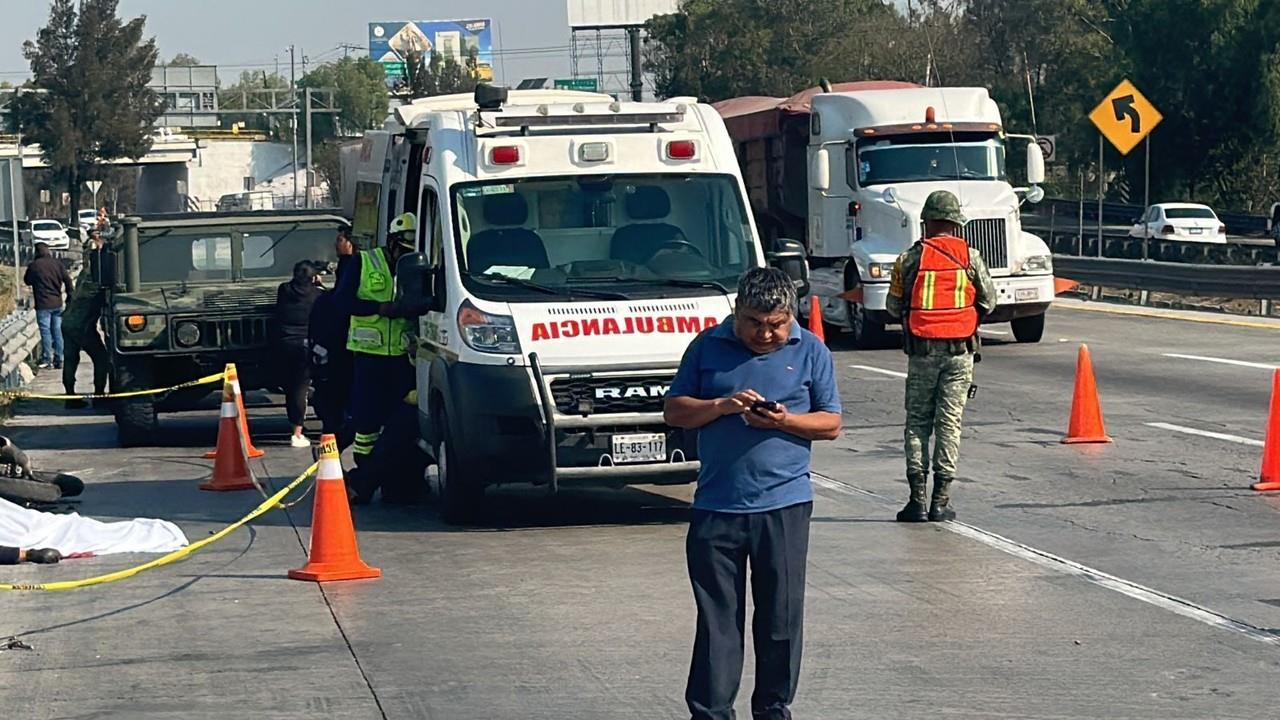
573	246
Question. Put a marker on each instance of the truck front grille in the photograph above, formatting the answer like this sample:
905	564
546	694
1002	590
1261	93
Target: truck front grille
240	299
988	237
233	334
590	395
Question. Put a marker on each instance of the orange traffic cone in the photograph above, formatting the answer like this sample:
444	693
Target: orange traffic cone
1269	479
333	554
815	318
1086	414
233	381
230	465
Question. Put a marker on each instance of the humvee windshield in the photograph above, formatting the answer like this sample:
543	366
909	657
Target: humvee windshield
197	255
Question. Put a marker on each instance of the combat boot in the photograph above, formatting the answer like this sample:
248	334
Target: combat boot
940	508
914	511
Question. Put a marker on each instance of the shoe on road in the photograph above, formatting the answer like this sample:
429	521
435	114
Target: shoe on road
300	442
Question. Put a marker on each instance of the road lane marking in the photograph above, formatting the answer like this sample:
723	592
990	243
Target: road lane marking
1164	601
1206	433
882	371
1222	361
1100	307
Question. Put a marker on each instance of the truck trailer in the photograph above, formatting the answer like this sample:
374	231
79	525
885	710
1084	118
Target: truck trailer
846	169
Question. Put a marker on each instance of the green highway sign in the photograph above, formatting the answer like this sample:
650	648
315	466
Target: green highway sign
587	84
393	69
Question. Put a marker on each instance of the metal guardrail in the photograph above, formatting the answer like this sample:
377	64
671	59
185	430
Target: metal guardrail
1225	281
1119	245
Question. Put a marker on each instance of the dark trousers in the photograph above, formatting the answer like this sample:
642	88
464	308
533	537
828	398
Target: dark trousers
719	548
379	386
332	396
295	378
90	342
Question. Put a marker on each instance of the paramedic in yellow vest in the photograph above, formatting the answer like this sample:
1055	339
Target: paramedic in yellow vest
940	289
378	337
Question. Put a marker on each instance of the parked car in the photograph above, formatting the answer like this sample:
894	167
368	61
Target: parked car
1184	222
51	233
88	218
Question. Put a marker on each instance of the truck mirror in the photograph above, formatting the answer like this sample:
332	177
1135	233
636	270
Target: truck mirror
820	170
789	257
1035	164
1035	194
414	291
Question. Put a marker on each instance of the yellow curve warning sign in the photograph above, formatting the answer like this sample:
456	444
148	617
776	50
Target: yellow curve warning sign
1125	117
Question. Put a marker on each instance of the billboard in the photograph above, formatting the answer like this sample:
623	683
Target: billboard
389	42
617	13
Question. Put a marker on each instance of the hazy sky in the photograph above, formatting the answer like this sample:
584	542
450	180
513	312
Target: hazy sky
249	34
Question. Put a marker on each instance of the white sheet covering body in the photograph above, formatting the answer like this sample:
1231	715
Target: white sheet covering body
70	533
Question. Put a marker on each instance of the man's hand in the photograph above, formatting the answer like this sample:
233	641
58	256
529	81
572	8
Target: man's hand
738	403
344	247
387	310
768	419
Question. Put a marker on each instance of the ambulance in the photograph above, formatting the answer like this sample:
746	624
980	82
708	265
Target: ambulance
570	246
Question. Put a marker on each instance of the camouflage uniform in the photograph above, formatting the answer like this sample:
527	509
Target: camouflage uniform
80	321
939	373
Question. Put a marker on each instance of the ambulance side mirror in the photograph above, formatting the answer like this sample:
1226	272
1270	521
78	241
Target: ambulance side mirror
789	257
414	284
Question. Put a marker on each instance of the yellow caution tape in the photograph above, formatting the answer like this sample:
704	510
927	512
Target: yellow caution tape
206	380
267	505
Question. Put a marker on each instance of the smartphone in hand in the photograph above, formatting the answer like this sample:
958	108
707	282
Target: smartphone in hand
763	406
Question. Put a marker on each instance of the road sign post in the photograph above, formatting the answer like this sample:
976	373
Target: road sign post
94	186
1125	117
1146	189
1101	190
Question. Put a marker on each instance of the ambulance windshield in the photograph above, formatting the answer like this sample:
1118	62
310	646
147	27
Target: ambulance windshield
631	235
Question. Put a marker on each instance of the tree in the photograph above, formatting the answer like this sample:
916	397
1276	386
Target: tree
93	104
439	74
359	92
184	60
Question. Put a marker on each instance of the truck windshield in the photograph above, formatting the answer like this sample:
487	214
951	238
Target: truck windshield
915	158
631	235
195	256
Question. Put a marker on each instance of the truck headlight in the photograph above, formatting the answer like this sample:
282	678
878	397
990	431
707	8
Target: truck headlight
1038	263
187	334
488	333
880	271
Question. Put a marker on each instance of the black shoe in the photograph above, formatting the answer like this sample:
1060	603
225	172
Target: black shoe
941	513
57	364
913	512
940	504
44	556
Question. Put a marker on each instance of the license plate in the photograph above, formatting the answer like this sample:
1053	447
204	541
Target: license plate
1197	231
1026	294
639	448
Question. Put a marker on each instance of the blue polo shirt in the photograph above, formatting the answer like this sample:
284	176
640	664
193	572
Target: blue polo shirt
746	470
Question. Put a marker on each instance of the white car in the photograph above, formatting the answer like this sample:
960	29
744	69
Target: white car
51	233
88	218
1183	222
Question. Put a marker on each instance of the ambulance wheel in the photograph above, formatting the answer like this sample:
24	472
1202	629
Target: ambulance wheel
867	333
460	495
1028	329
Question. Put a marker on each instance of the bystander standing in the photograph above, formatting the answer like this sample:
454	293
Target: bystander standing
49	281
758	389
294	301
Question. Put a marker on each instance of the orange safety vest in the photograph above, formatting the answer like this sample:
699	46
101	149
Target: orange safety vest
942	299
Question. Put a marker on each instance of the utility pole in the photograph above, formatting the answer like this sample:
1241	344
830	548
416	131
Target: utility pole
637	78
306	94
293	94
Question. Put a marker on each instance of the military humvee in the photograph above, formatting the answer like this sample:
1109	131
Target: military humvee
199	291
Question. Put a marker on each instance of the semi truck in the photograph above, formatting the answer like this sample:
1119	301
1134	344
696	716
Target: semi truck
570	247
845	170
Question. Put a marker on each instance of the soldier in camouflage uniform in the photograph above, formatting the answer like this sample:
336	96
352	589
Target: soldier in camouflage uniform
940	289
80	321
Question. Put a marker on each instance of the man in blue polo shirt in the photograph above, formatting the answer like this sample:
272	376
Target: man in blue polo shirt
759	390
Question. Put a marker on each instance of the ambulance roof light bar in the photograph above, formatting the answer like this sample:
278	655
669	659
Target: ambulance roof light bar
580	117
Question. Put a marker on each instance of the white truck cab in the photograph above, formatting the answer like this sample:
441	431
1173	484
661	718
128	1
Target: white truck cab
570	248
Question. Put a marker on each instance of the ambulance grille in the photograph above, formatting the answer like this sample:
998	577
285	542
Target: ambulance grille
632	394
988	237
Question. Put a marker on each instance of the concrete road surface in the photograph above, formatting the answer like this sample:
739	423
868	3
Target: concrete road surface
1139	579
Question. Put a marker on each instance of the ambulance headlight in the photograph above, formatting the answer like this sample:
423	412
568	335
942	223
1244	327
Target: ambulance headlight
1038	263
880	271
487	333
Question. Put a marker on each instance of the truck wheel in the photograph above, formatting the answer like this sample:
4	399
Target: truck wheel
136	421
867	333
461	496
1028	329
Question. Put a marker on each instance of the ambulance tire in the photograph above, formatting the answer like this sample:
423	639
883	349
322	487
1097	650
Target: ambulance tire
461	495
1028	329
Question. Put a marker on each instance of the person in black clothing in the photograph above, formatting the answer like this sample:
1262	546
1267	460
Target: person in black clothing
331	362
49	281
294	301
15	556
